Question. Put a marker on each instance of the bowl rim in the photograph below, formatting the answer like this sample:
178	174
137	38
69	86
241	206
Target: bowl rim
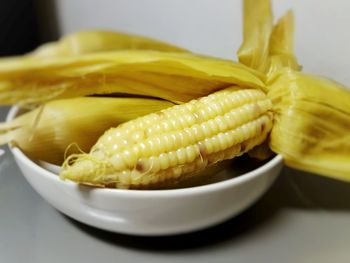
235	181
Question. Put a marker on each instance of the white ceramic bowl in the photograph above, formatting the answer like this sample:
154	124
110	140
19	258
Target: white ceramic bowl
149	212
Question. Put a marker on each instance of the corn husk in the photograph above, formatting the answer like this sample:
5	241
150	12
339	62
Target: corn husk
46	132
312	123
312	114
281	46
267	47
84	42
257	28
177	77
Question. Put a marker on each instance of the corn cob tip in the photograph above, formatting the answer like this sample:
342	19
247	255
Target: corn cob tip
84	167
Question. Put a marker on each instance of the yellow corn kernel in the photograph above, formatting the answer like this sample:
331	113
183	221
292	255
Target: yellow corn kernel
164	153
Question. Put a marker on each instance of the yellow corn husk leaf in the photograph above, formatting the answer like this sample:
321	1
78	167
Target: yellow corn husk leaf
84	42
265	47
257	28
46	132
176	77
281	53
312	123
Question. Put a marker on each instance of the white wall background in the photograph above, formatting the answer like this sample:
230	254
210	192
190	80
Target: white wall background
213	27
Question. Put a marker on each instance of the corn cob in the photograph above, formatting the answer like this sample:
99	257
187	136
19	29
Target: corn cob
170	145
78	121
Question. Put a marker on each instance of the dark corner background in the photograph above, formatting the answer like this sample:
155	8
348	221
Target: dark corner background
25	24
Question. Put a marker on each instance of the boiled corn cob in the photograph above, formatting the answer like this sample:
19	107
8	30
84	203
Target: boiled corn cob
45	132
165	147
